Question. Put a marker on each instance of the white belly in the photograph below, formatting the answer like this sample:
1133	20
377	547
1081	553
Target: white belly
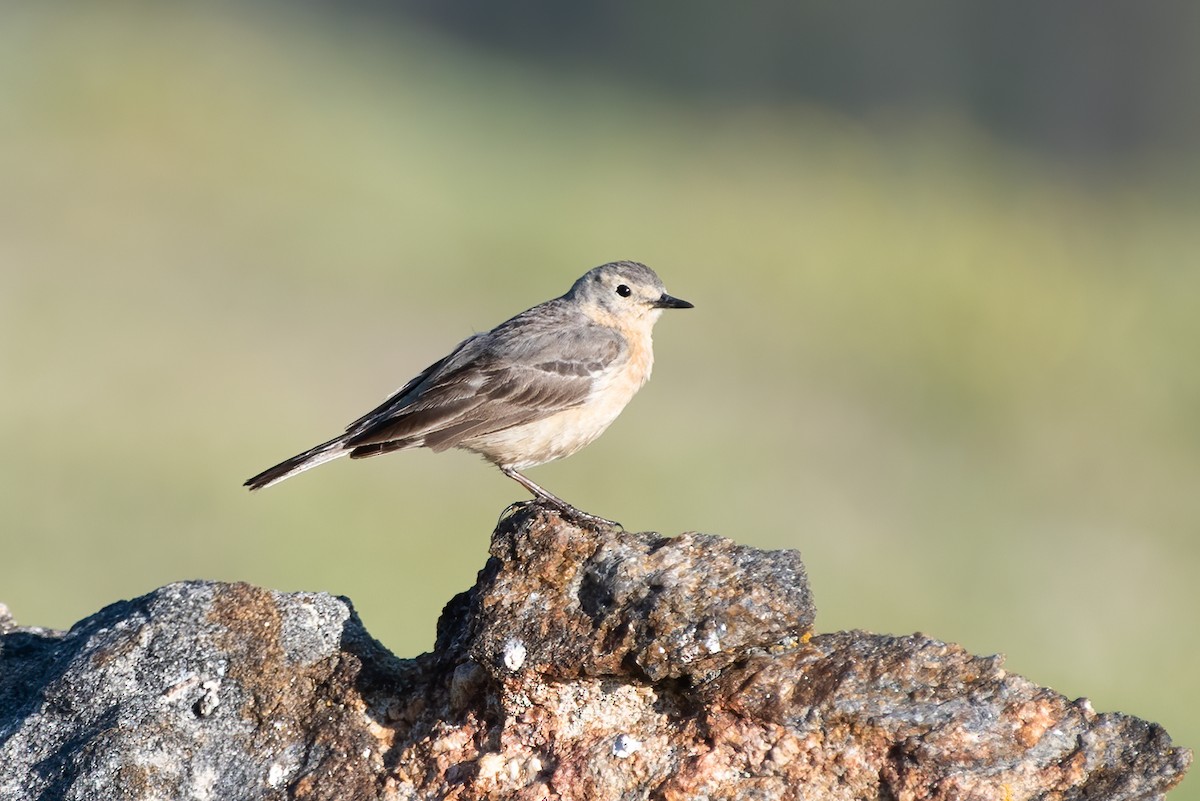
562	434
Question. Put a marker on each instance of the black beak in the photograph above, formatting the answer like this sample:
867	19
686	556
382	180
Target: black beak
668	302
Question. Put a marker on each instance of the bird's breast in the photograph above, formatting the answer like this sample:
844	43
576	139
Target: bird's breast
563	433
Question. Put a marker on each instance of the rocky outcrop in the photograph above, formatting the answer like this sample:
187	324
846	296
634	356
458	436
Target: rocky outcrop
584	664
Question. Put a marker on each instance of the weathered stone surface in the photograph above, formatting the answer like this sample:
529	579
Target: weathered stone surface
198	690
582	665
638	605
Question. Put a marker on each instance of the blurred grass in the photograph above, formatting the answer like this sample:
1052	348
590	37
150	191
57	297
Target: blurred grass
963	383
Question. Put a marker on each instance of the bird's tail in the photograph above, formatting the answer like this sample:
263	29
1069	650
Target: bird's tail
299	463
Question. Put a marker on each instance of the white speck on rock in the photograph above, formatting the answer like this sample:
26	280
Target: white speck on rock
203	781
275	775
208	702
712	643
514	655
625	746
489	766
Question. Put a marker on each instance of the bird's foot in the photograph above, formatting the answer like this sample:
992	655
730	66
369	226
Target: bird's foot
547	498
512	509
579	516
565	509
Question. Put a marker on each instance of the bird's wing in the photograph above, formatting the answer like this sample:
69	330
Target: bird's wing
528	368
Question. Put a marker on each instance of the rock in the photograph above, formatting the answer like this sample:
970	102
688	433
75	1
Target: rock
638	605
197	690
584	664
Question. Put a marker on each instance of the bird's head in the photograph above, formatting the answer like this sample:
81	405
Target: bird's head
624	291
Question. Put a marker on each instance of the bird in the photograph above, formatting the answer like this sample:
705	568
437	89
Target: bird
538	387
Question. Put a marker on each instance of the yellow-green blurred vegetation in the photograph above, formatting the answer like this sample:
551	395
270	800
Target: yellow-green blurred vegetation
960	378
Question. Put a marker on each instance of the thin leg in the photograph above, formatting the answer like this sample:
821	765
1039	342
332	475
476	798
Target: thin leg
557	502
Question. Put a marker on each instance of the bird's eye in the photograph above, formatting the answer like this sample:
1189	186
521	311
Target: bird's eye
624	291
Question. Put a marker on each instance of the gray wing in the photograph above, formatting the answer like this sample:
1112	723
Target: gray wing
539	363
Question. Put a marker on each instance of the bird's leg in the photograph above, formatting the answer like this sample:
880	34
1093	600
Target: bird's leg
557	502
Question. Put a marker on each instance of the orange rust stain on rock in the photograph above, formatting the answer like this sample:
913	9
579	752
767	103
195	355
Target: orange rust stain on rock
1034	718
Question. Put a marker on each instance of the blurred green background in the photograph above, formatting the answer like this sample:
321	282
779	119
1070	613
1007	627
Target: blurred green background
945	265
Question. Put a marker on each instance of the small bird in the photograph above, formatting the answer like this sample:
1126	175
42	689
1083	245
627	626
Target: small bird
536	388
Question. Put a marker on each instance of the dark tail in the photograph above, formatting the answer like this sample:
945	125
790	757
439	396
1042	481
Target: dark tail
299	463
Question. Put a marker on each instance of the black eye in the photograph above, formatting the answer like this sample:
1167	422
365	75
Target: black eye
624	291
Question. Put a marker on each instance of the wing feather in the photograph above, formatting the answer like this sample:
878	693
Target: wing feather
528	368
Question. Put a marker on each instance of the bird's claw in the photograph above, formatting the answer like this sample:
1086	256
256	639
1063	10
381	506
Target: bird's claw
586	518
566	510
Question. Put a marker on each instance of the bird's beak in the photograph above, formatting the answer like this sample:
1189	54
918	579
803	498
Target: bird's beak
668	302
